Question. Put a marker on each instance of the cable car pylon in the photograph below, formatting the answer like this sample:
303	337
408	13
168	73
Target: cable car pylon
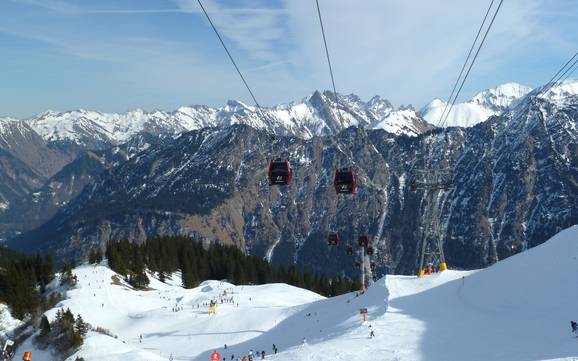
433	182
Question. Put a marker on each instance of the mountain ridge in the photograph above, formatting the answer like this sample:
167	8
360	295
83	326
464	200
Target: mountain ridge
479	108
514	175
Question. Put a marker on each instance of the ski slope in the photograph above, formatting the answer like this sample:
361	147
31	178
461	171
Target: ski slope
518	309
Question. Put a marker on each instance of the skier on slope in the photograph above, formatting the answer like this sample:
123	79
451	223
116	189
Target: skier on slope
574	326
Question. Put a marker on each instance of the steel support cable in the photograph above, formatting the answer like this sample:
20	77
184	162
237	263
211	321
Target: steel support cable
554	81
350	155
230	57
551	81
573	67
466	62
330	69
473	60
274	136
328	59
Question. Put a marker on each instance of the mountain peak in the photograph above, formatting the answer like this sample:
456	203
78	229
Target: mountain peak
501	97
561	91
378	102
237	104
483	105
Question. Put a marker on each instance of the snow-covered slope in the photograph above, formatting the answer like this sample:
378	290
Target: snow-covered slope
7	322
404	121
518	309
489	102
186	333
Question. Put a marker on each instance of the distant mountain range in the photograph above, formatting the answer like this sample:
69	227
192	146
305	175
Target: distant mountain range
71	181
316	115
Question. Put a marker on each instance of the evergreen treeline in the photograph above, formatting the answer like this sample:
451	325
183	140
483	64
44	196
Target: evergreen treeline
23	280
166	255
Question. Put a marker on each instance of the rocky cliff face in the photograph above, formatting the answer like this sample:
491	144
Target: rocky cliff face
516	184
26	162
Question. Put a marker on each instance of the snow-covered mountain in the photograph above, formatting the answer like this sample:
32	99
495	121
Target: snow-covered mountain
514	185
489	102
95	130
562	93
517	309
317	114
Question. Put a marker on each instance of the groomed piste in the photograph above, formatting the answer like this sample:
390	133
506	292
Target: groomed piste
518	309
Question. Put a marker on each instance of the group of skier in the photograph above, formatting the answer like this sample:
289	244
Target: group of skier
251	356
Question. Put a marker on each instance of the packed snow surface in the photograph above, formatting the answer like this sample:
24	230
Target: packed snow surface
518	309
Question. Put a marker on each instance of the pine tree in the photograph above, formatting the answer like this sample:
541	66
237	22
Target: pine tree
80	327
44	326
165	255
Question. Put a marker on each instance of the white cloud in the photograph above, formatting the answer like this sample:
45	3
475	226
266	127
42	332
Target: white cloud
256	30
409	51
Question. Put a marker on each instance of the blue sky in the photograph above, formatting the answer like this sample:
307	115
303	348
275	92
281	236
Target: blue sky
115	55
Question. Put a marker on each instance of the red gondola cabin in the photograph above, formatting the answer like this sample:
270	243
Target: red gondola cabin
280	172
333	239
369	251
344	181
363	241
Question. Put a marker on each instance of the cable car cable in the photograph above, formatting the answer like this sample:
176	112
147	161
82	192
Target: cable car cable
466	61
335	99
559	74
570	73
334	94
230	57
473	61
547	86
328	60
